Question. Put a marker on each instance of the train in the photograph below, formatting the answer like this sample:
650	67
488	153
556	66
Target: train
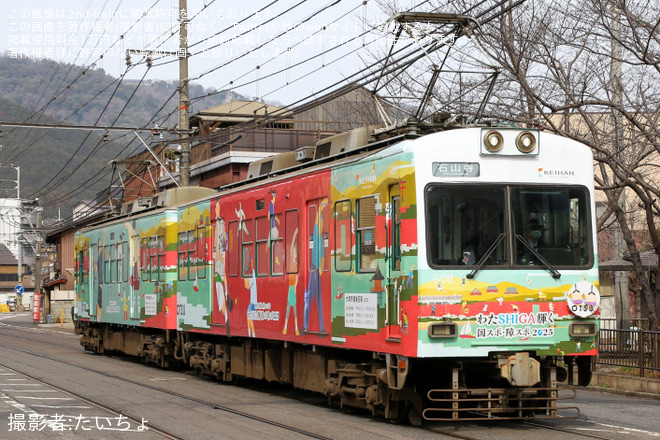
424	272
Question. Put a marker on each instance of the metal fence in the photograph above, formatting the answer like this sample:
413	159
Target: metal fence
635	323
635	349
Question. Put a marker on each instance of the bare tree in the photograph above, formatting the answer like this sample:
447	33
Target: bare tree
588	70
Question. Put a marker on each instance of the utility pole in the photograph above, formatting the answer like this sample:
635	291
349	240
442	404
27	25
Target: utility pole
37	262
19	236
616	72
184	101
184	98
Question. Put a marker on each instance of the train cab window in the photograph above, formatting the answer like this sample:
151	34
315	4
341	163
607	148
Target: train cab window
464	222
366	233
551	224
343	236
261	226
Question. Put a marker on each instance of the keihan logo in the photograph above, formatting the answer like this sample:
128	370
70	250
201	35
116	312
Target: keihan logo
555	173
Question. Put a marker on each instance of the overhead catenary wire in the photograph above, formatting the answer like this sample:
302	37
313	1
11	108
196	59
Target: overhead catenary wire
339	83
64	90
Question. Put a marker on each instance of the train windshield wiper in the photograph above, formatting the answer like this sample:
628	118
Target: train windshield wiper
485	257
555	273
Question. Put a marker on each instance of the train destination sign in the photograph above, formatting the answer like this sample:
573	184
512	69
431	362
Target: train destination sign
455	169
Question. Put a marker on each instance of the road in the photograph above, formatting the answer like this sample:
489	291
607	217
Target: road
51	388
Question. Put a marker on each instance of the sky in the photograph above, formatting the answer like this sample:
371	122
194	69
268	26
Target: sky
268	49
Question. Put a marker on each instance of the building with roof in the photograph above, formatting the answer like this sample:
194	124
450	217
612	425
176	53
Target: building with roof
9	277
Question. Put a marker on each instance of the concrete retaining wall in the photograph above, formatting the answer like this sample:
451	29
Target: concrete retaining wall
626	384
56	307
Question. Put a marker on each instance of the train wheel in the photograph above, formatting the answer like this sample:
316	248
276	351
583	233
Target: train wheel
414	415
407	413
584	370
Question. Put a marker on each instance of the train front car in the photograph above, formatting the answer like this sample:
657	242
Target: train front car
507	272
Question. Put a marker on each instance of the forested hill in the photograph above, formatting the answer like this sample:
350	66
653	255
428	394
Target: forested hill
81	97
62	167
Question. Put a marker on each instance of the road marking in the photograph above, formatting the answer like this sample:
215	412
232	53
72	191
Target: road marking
621	430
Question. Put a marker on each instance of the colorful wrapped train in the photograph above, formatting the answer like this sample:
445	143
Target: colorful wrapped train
444	276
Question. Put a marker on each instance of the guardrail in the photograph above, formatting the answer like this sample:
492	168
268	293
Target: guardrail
636	349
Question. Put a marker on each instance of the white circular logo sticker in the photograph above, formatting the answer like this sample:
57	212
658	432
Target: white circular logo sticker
583	299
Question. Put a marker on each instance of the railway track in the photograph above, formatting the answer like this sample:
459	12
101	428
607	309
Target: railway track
126	419
165	434
565	432
585	429
137	383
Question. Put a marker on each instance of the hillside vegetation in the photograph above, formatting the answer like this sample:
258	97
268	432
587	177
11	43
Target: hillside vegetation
62	167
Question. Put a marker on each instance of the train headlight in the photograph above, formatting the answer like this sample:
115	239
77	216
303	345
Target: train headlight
525	142
443	330
582	329
493	141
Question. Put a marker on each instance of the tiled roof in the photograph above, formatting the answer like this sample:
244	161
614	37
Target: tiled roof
6	257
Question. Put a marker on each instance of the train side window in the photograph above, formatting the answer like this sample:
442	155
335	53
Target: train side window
183	256
106	266
153	258
161	258
292	240
366	233
125	262
343	236
277	254
113	263
97	262
247	252
84	266
261	230
116	262
192	253
202	252
233	249
396	233
144	259
120	272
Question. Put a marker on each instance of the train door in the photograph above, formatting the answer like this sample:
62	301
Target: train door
317	264
394	280
94	277
83	286
134	290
